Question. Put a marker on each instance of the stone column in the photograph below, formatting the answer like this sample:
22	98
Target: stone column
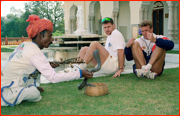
93	21
70	26
113	16
99	27
176	22
89	24
92	24
116	20
145	13
170	21
141	14
74	25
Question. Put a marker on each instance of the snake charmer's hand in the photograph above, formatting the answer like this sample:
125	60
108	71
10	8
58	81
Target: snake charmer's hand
54	65
87	74
151	37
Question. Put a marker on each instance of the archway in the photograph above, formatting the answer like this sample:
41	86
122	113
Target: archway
157	17
73	19
95	18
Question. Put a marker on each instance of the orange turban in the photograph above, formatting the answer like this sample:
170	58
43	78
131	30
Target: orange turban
37	25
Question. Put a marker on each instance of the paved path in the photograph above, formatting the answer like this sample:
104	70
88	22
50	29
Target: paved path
172	61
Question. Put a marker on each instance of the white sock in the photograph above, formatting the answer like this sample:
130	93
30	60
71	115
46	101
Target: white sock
148	67
83	66
143	67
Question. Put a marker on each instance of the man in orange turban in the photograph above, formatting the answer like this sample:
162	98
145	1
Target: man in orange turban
21	78
37	25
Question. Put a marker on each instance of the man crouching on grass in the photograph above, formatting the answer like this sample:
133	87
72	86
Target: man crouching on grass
19	79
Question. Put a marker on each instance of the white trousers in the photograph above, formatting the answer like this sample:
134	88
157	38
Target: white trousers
30	94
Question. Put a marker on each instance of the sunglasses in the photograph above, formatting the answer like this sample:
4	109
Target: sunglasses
106	19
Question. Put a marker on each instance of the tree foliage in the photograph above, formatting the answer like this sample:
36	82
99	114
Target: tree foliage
52	10
14	25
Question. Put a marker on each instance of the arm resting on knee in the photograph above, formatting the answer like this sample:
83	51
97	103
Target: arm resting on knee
165	44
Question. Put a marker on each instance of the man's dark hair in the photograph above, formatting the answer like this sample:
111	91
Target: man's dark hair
146	23
107	20
42	32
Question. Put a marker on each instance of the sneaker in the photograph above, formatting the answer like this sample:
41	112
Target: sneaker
151	75
140	72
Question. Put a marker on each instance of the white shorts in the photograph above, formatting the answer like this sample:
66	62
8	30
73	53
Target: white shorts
109	67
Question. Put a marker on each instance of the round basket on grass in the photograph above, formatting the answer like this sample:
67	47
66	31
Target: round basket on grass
99	89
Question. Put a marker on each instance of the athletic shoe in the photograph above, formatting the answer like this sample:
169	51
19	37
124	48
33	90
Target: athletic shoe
151	75
140	72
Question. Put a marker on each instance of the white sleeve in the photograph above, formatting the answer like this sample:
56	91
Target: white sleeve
40	62
118	40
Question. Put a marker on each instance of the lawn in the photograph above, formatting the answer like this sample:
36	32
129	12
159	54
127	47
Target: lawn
11	49
172	52
128	95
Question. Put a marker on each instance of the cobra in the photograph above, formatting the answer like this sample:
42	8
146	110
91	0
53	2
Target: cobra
98	59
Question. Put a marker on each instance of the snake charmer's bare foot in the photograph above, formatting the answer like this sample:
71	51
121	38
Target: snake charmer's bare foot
40	89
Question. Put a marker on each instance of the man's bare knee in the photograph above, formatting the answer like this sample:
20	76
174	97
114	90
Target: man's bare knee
135	45
94	42
84	49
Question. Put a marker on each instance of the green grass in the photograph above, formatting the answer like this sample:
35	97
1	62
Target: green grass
8	48
128	95
172	52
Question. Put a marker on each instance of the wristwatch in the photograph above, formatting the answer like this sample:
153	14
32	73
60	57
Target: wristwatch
120	68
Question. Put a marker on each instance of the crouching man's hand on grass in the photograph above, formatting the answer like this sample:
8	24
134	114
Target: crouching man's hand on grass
87	74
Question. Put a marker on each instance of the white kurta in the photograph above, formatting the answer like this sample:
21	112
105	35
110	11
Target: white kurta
25	60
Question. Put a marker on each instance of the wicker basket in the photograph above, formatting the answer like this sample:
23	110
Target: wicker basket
99	90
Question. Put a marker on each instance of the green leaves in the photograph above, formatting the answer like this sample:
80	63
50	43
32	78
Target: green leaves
15	24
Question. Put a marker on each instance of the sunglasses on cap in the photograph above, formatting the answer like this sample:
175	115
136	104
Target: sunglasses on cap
106	19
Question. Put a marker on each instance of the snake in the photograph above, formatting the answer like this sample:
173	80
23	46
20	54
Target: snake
97	68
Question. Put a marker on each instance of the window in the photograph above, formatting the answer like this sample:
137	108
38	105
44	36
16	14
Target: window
158	4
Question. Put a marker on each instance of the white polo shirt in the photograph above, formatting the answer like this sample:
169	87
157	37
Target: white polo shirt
114	42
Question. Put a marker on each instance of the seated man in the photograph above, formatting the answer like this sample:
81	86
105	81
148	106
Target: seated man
112	55
18	82
148	52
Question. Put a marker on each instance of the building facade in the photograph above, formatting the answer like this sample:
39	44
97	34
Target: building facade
127	15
